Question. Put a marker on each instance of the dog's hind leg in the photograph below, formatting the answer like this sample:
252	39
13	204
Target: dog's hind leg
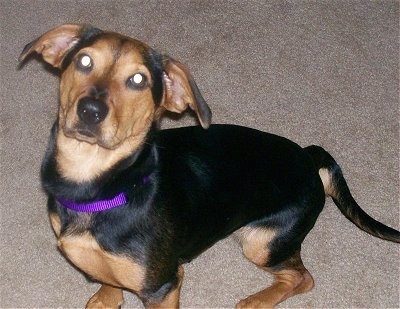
106	297
291	277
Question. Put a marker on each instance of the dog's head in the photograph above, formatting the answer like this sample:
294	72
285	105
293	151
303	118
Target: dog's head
113	87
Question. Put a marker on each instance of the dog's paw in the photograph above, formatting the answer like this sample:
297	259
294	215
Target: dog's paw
253	302
105	300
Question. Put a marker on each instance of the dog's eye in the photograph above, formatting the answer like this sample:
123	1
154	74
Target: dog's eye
137	81
84	63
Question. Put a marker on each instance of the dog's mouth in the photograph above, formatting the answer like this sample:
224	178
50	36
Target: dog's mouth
86	133
88	136
81	134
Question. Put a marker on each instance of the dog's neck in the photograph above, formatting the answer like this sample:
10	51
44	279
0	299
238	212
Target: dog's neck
68	161
100	205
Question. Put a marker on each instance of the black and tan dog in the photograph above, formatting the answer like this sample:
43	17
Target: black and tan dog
130	204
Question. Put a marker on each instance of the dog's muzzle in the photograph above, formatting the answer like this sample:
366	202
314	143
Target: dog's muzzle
91	111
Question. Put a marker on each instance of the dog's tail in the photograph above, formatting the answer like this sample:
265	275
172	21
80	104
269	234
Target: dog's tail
336	187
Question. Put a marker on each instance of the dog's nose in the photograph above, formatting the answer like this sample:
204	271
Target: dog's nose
92	111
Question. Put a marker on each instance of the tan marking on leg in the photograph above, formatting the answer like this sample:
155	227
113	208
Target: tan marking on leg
55	223
171	300
106	297
116	270
254	241
291	278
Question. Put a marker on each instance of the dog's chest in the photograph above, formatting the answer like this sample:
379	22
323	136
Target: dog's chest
85	253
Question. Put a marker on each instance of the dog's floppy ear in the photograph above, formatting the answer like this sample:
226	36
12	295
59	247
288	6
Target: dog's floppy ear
55	44
181	91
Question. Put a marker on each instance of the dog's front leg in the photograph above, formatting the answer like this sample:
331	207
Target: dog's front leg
170	300
106	297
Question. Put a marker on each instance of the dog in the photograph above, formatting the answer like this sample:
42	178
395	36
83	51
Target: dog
130	203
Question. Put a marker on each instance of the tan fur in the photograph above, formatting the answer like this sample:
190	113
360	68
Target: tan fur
53	44
106	297
180	92
292	279
327	181
81	158
81	161
287	284
254	243
129	110
115	270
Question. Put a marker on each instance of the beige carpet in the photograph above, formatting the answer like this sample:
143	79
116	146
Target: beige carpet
318	72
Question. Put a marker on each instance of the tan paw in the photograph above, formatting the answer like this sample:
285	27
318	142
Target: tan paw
253	302
105	301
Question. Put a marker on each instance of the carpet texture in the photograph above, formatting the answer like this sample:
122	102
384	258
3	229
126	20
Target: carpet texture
317	72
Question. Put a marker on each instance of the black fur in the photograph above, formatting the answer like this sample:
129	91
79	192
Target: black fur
204	184
153	60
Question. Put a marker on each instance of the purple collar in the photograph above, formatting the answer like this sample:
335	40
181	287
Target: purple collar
100	205
95	206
